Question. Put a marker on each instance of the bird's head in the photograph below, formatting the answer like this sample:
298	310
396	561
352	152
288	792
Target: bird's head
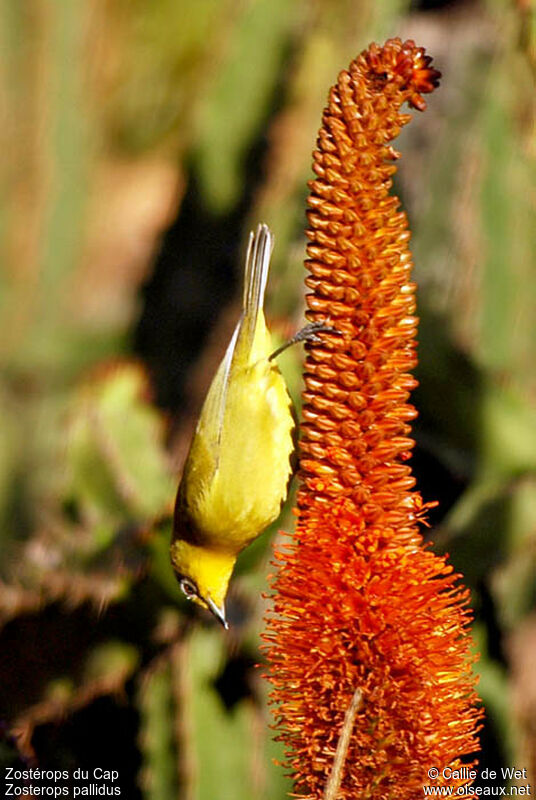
203	575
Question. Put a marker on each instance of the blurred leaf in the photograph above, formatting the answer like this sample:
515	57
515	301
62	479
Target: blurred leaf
159	776
494	691
59	691
111	662
166	48
508	432
9	467
507	339
238	99
231	747
116	463
514	581
57	150
491	535
67	140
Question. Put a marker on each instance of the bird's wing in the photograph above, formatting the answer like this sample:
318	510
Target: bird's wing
205	450
239	351
213	412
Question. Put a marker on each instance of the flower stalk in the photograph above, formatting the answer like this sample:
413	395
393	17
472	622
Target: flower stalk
334	780
362	609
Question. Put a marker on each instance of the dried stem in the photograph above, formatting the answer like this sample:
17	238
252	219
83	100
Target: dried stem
334	781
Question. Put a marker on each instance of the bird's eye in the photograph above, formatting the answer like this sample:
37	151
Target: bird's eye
188	587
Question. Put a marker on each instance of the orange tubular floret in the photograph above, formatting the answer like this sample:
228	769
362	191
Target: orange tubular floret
359	602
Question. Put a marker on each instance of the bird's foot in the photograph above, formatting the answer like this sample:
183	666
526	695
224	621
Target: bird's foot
309	333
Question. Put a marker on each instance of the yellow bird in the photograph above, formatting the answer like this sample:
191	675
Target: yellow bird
238	469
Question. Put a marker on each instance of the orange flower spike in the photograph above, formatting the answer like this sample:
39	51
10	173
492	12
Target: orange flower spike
364	617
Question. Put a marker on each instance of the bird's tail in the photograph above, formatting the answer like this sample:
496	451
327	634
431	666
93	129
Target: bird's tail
258	256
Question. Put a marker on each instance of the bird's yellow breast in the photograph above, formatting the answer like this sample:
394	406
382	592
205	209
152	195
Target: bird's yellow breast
238	469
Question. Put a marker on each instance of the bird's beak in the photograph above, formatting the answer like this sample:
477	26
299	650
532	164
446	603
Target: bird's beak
219	613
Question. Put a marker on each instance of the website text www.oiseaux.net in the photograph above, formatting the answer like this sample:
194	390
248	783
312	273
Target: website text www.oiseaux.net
492	783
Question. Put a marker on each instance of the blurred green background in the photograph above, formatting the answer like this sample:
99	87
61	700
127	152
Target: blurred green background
142	141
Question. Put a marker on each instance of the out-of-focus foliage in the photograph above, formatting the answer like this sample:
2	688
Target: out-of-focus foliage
143	141
116	468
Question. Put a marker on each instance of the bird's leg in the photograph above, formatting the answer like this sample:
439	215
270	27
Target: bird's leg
306	334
